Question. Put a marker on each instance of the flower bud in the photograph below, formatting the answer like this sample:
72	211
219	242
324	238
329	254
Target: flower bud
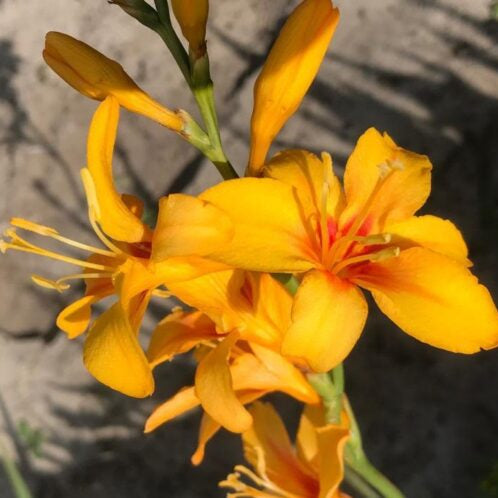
96	76
192	17
288	72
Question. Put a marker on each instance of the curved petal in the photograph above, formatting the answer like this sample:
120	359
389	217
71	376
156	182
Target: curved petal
404	189
293	381
328	317
288	72
331	443
75	318
308	175
178	333
207	431
271	232
214	387
432	233
183	401
267	447
112	354
189	226
435	299
116	219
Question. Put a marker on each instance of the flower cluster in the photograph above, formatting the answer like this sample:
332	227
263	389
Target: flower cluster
271	266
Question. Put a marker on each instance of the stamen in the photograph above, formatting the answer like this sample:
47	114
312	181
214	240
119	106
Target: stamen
382	255
94	212
161	293
49	284
50	232
19	244
386	169
324	231
374	240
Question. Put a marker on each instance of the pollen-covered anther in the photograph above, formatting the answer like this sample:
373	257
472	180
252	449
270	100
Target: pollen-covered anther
389	166
49	284
373	240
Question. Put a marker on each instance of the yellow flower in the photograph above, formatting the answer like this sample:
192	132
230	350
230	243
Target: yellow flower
134	262
288	72
241	321
312	469
192	17
299	220
96	76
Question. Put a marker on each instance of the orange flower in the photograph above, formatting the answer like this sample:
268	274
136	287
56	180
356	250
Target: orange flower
134	262
299	220
314	469
245	316
192	17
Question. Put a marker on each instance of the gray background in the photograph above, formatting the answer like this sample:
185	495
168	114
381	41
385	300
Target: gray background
425	71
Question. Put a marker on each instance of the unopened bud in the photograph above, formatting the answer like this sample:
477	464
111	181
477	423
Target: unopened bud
192	17
140	10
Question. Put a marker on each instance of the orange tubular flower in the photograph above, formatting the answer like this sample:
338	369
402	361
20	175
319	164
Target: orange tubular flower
242	320
299	220
314	469
134	262
288	72
192	17
96	76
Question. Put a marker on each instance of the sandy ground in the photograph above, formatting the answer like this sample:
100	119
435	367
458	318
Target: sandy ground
425	71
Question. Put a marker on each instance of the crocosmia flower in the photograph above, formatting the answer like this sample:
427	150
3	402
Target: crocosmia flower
132	264
299	219
313	468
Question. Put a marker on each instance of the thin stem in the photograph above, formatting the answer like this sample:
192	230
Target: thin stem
331	397
358	484
17	482
376	479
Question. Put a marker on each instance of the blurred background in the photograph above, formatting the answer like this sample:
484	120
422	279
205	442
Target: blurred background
426	71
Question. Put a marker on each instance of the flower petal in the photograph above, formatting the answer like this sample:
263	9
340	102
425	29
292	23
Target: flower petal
75	318
96	76
271	233
116	219
210	427
435	299
403	191
214	387
327	319
189	226
331	443
293	381
183	401
114	357
178	333
431	232
288	72
308	175
268	449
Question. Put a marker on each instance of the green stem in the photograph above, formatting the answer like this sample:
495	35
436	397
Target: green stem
330	394
17	482
374	478
358	484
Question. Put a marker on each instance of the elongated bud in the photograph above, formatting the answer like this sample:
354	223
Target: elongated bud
140	10
96	76
192	17
288	72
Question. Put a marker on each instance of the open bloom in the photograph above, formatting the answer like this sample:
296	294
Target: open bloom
240	326
134	262
300	220
96	76
312	469
288	72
